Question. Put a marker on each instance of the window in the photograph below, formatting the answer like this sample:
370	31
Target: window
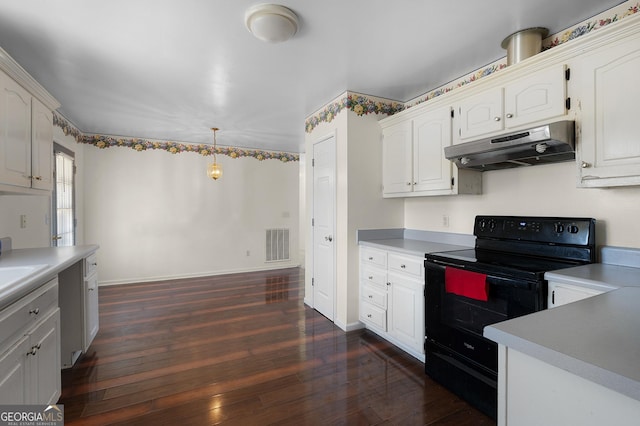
64	218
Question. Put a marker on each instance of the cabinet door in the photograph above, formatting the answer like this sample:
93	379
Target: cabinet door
431	134
610	141
397	176
561	294
481	114
45	361
14	374
91	314
406	311
540	96
41	147
15	133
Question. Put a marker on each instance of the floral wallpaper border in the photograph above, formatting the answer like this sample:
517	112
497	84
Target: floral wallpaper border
139	144
362	105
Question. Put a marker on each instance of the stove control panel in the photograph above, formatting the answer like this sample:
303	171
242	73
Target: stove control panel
551	230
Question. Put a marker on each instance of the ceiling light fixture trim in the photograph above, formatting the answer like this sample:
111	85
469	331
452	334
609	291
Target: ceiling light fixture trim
271	22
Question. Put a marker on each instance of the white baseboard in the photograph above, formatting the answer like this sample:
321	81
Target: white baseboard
184	276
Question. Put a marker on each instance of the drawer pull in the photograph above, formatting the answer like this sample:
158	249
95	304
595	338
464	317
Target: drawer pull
403	266
368	315
91	289
388	283
370	257
370	277
34	350
370	296
35	311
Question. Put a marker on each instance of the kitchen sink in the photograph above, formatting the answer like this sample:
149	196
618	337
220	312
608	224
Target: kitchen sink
10	275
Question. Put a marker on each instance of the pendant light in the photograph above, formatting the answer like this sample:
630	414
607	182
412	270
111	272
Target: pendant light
214	170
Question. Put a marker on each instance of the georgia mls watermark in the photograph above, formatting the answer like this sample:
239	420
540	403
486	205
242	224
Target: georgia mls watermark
31	415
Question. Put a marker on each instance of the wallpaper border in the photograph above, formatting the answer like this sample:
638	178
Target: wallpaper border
140	144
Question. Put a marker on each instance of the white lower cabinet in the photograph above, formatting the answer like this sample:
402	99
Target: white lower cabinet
79	305
30	358
392	297
563	293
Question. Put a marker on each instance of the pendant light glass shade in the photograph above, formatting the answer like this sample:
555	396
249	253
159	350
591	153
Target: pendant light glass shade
214	170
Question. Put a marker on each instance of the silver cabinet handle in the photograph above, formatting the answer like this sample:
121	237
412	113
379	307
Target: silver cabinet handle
509	115
328	238
370	277
408	183
370	297
496	119
35	311
370	258
403	266
585	165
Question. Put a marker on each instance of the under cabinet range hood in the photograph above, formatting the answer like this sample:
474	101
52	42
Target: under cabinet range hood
550	143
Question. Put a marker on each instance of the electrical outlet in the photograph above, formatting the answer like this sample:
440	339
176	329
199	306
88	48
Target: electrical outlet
23	221
248	253
445	220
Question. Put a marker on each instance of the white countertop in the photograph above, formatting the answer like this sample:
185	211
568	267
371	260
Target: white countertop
412	247
56	259
595	338
600	276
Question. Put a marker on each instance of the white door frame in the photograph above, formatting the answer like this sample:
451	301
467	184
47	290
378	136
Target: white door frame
313	243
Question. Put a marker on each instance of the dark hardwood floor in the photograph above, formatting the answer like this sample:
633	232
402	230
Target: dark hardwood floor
243	349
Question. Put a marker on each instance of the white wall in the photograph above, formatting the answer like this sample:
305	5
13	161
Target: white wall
548	190
157	216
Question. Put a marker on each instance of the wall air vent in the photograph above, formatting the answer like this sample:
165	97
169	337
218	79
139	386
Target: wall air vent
277	245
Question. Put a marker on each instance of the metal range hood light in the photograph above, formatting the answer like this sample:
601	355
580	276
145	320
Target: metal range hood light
540	145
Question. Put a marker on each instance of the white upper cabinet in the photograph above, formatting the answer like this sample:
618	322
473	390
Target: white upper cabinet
26	131
481	114
609	153
41	146
15	133
431	134
397	157
536	98
413	156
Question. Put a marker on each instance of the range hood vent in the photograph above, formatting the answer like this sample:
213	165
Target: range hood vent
540	145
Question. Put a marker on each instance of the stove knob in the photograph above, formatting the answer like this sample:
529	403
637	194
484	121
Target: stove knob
492	224
482	223
572	229
559	228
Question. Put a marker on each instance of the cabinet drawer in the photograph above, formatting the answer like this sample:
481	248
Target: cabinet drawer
373	257
373	275
373	315
15	319
412	266
90	264
374	295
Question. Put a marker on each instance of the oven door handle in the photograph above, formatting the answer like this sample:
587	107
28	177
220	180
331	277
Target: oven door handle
492	280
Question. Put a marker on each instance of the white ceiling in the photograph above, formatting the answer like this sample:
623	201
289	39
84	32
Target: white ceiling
172	69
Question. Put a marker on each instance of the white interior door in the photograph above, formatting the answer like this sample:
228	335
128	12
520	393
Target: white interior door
324	194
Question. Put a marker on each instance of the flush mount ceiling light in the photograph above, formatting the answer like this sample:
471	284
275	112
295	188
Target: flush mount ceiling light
214	170
271	22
